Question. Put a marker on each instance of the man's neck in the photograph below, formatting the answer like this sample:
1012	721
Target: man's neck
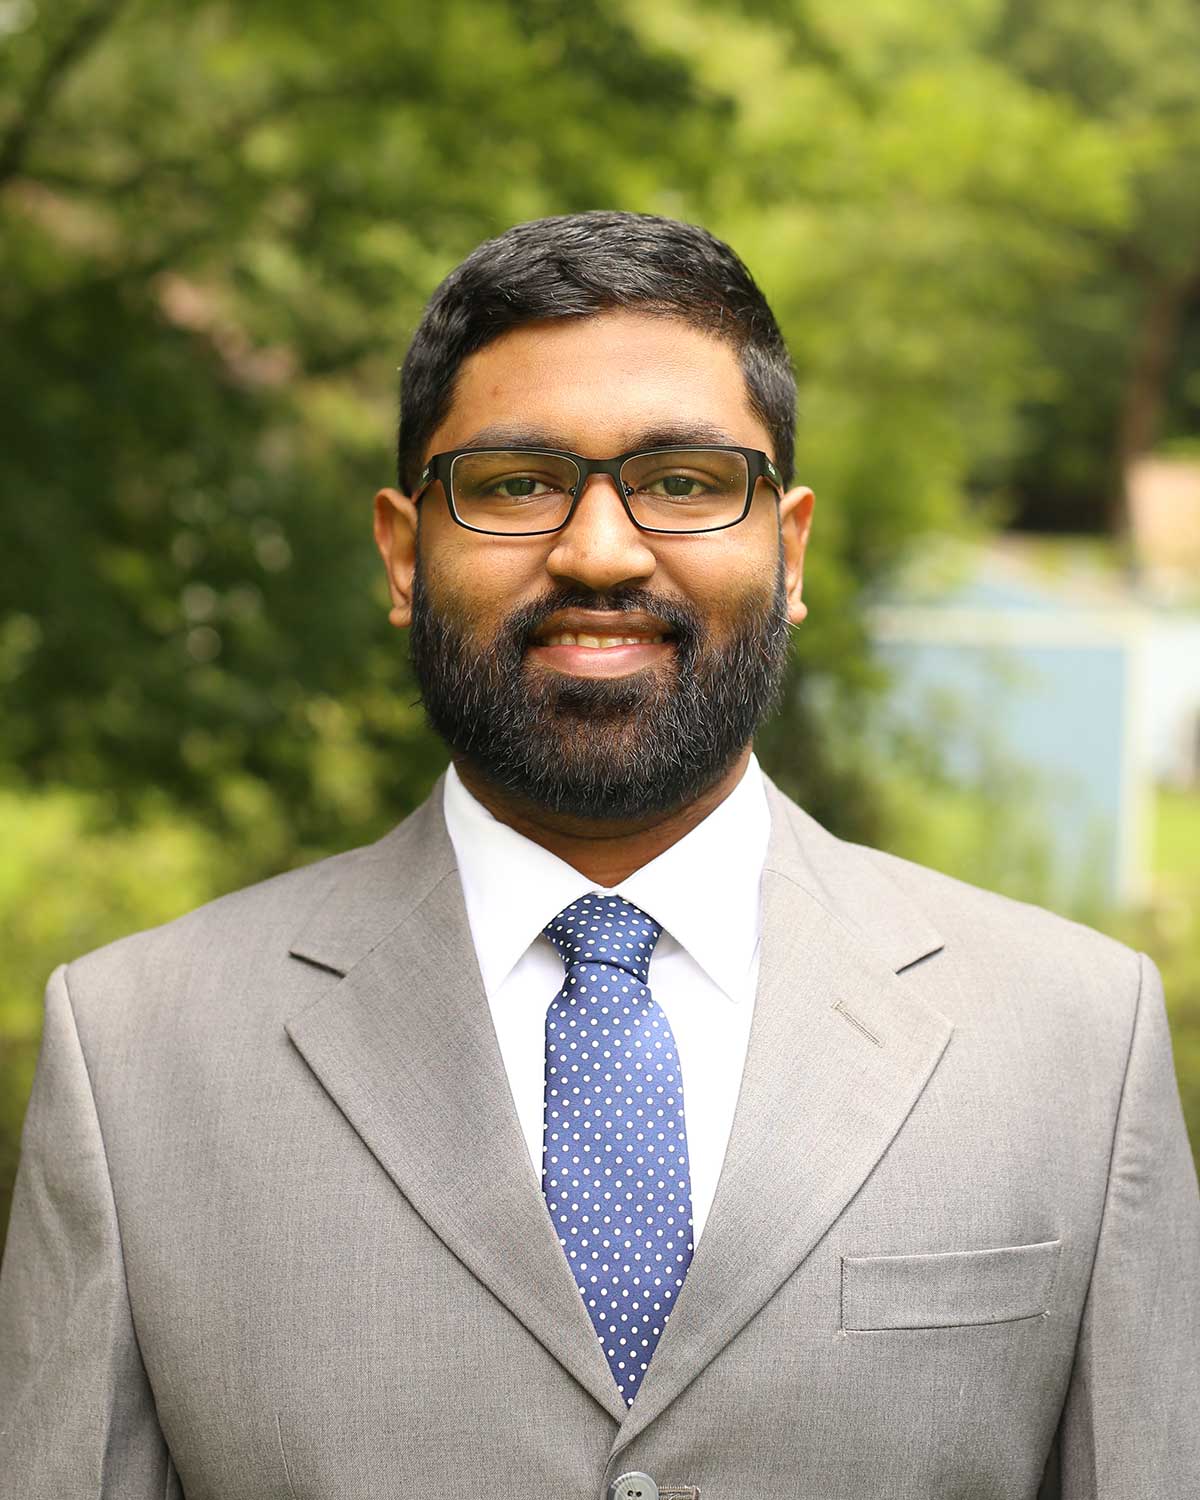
604	851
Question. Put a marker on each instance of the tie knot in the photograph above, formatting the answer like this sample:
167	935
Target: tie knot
600	929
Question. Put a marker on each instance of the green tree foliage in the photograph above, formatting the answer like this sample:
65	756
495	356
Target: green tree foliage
1113	381
220	224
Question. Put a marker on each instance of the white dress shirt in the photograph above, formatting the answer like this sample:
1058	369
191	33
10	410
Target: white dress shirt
704	892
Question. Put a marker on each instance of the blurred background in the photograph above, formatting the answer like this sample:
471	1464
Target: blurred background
980	228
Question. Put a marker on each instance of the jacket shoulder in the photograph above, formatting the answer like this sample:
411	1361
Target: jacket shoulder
1005	958
989	917
981	950
259	916
222	944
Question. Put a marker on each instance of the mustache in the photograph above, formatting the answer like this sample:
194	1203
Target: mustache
684	623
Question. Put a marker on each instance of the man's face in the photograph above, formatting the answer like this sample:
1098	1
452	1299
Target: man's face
616	723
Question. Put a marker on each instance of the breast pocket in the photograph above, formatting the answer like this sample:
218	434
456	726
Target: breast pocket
957	1289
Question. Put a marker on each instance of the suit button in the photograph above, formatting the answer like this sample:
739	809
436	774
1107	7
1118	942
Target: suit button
633	1486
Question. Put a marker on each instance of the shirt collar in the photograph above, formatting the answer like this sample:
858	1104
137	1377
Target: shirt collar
703	891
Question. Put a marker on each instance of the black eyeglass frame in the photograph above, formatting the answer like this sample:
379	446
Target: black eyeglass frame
758	466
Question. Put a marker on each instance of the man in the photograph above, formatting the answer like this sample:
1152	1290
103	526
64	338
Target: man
608	1128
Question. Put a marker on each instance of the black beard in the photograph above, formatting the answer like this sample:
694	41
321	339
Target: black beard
601	749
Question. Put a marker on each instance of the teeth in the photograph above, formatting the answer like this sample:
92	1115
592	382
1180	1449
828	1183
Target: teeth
602	642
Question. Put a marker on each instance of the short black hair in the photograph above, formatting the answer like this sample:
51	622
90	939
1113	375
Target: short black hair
577	265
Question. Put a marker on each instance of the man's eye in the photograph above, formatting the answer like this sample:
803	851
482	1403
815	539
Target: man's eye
676	486
517	487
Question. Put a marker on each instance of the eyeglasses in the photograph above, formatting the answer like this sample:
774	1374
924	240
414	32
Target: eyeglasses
534	491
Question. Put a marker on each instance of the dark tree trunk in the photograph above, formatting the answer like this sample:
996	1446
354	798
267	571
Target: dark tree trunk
1144	396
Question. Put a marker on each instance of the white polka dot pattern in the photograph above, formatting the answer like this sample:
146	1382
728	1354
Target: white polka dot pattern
614	1150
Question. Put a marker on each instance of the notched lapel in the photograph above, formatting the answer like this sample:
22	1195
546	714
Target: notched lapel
404	1045
840	1049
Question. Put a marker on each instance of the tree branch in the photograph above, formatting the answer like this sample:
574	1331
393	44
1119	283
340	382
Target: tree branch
72	48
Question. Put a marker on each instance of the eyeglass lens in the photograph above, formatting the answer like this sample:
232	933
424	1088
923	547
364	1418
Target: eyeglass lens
515	492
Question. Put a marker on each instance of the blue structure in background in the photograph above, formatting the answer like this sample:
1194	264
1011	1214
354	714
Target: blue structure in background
1009	670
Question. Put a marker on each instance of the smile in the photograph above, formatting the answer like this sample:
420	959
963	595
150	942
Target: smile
578	654
601	642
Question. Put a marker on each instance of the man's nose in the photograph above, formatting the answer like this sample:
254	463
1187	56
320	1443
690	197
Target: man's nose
600	546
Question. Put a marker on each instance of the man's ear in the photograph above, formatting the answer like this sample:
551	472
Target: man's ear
396	538
795	521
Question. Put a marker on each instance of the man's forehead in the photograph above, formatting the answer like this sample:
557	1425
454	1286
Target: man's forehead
601	385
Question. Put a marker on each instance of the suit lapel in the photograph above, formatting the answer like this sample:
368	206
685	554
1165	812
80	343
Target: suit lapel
404	1045
839	1051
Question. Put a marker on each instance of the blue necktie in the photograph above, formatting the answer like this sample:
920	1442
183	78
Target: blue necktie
614	1150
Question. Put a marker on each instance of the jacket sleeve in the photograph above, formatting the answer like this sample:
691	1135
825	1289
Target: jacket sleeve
77	1415
1130	1425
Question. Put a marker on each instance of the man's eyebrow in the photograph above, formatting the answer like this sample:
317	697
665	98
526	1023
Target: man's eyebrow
682	434
670	435
511	437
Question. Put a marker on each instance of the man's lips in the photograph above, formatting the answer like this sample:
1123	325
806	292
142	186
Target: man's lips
595	645
615	660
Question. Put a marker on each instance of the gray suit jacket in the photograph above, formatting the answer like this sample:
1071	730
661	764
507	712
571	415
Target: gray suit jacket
277	1236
